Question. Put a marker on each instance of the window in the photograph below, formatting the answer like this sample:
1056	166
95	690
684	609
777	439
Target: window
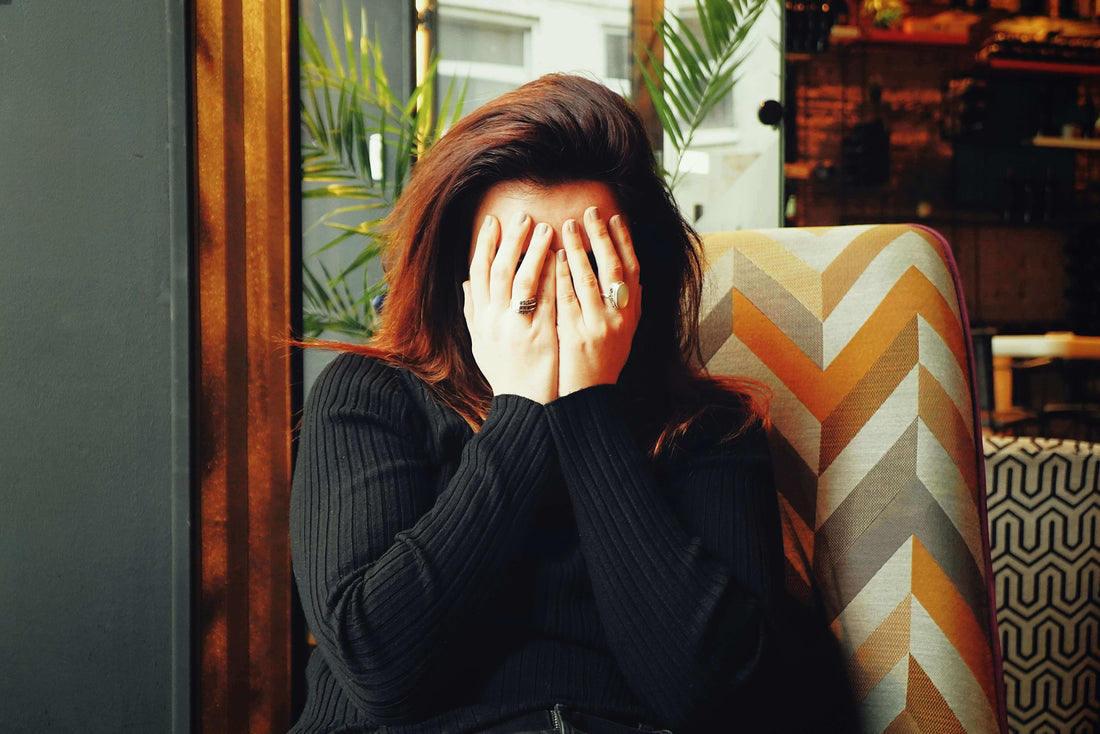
491	56
617	60
721	117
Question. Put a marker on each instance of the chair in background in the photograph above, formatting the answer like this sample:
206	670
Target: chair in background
861	334
1044	514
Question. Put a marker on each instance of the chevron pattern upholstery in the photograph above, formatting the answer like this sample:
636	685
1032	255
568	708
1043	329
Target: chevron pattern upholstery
861	336
1044	515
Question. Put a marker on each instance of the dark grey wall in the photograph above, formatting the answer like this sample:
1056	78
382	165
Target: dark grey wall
93	367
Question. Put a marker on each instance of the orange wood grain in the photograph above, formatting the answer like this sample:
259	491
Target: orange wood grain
242	109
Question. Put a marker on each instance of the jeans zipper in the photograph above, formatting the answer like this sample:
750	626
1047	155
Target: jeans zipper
555	716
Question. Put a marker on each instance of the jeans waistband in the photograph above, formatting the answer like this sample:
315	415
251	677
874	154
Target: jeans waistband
563	720
568	721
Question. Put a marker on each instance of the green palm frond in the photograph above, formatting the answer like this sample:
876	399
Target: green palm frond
696	73
348	109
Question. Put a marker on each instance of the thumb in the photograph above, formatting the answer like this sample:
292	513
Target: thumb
467	303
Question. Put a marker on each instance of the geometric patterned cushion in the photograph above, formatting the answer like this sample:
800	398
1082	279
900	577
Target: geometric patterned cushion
860	333
1044	514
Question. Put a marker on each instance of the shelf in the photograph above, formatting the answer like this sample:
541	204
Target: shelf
1047	141
1044	67
852	35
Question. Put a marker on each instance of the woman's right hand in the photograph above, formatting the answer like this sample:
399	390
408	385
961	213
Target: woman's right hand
516	352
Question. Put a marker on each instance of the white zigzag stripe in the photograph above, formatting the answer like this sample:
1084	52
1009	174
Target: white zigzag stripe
789	415
937	471
876	282
890	585
877	436
950	674
938	359
817	250
886	700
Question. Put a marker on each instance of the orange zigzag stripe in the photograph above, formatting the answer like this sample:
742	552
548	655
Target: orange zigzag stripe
881	651
940	414
842	273
934	590
868	395
927	706
822	390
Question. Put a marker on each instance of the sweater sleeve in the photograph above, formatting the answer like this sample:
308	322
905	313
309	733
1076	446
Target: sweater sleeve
681	591
390	554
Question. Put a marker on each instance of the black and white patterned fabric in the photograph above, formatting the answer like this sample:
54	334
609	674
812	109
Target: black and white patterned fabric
1044	516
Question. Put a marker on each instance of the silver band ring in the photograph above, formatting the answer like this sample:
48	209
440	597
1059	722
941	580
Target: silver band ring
525	306
617	295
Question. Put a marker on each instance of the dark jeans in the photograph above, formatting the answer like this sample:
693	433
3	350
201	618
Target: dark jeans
561	720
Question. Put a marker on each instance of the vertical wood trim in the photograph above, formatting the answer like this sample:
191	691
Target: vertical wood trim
645	13
243	108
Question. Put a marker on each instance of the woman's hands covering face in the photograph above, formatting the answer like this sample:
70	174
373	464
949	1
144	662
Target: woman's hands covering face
516	352
593	336
574	338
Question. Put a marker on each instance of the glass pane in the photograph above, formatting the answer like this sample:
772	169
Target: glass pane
491	47
722	115
499	46
478	90
464	40
617	54
730	177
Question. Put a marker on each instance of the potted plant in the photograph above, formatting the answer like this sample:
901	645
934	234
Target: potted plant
359	143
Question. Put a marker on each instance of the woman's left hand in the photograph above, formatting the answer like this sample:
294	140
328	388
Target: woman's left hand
594	336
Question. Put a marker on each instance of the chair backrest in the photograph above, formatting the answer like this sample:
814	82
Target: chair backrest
861	334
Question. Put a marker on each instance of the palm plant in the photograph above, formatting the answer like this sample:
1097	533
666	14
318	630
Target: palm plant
697	72
359	143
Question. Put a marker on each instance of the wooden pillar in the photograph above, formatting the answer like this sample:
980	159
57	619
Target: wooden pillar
645	13
246	230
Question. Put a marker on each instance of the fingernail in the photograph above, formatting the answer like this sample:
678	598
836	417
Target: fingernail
541	229
593	213
616	221
521	217
570	226
488	220
562	257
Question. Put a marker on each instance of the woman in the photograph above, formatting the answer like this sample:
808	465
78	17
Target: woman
523	508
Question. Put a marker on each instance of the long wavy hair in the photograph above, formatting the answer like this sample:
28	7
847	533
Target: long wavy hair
556	129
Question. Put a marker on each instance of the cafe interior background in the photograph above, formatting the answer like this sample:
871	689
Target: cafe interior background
156	234
977	120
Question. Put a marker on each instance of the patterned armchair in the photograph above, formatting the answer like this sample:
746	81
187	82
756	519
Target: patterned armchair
861	334
1044	516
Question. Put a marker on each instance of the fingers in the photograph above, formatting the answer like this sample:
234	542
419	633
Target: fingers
502	271
547	295
585	286
485	247
529	274
568	309
608	262
624	245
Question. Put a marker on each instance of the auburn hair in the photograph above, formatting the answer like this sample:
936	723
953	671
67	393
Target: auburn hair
558	128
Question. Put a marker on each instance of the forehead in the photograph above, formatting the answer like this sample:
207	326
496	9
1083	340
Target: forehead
551	204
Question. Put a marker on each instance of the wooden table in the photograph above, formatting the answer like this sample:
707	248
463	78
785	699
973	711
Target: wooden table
1052	345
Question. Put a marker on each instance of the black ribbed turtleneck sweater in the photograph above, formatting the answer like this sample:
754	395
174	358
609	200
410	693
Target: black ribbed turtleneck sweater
453	579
